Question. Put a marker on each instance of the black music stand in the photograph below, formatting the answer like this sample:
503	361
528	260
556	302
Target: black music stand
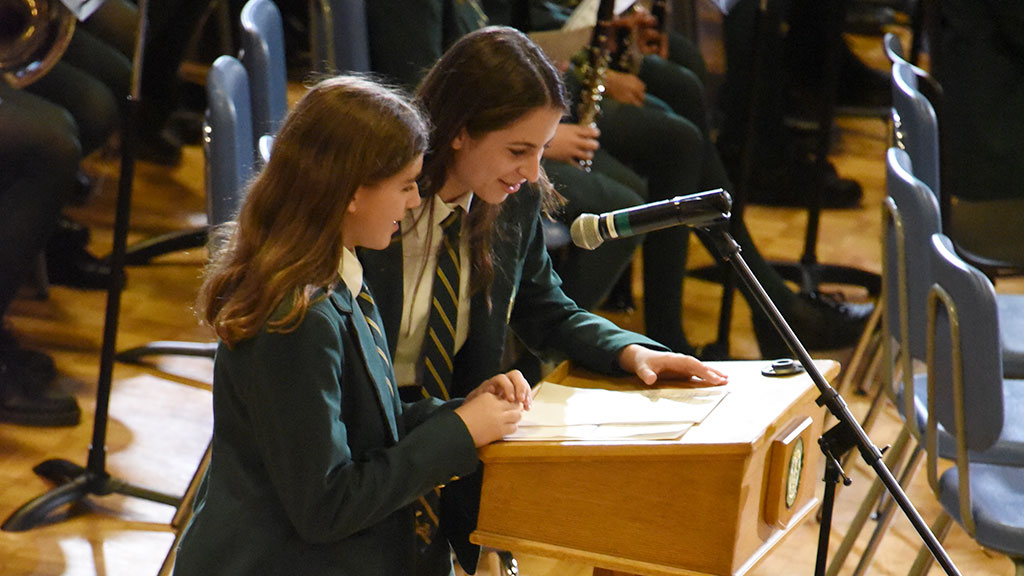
844	435
75	482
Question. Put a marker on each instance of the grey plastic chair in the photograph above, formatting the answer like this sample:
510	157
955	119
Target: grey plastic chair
967	396
263	56
986	233
228	147
915	124
910	218
339	39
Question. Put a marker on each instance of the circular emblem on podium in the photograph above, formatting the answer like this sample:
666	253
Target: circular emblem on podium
796	466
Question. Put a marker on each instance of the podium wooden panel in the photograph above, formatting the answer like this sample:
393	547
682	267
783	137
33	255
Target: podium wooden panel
712	502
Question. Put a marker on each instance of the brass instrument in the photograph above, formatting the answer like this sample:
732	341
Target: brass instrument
33	37
594	69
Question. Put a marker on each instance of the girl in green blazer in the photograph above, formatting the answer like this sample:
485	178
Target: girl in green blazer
494	101
315	460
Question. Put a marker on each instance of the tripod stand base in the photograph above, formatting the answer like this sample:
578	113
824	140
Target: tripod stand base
74	484
141	253
162	348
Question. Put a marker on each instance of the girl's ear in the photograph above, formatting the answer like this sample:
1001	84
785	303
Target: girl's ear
352	208
460	139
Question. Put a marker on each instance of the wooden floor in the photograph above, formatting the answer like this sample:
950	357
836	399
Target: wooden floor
160	417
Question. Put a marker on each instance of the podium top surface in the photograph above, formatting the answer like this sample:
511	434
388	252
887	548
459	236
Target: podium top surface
750	409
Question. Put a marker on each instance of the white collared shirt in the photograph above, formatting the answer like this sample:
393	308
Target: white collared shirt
420	281
351	271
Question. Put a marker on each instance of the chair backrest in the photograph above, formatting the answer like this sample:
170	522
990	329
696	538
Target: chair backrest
915	124
910	217
264	59
965	364
893	47
339	39
228	143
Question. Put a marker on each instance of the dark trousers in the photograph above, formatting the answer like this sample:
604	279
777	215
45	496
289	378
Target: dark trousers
39	156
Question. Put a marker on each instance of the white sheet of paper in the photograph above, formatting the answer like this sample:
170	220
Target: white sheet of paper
585	13
603	432
82	9
557	405
560	45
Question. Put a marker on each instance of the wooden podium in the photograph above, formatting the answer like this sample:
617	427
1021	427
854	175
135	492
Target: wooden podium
713	502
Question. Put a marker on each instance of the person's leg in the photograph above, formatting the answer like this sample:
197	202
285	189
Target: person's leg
667	150
101	61
41	154
91	103
588	275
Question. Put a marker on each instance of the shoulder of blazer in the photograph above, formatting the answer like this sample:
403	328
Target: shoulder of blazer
338	300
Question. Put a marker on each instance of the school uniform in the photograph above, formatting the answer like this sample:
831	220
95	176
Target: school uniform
314	459
526	297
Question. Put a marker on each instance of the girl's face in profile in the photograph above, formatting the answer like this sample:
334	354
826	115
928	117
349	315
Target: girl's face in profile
373	215
497	163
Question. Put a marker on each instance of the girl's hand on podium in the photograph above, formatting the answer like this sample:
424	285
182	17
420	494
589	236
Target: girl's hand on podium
649	365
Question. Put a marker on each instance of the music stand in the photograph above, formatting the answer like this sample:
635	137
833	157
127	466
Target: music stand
844	435
75	482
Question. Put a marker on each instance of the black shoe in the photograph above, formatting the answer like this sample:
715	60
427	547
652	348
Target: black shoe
509	566
77	269
28	400
158	148
68	235
84	186
792	185
38	364
186	127
820	321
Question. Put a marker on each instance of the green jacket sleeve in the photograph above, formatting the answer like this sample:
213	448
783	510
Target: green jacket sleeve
295	401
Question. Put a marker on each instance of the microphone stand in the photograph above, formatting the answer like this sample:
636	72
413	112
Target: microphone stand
846	434
76	482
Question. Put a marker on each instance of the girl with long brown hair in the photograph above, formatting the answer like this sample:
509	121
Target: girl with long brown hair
495	101
315	460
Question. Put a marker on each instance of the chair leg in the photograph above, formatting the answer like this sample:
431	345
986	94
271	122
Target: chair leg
184	512
924	558
871	375
880	394
867	505
861	350
885	514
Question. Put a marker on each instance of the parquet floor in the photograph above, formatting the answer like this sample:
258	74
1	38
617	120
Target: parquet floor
160	416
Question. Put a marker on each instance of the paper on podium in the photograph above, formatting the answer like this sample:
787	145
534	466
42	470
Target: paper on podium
563	412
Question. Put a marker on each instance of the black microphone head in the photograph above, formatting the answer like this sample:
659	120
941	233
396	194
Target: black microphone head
584	232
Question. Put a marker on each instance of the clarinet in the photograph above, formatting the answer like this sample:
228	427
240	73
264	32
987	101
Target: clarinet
594	69
627	56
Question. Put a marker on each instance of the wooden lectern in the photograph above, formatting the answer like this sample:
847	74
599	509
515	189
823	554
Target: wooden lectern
713	502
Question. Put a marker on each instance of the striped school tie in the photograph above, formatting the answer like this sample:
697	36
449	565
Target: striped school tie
424	508
369	308
439	347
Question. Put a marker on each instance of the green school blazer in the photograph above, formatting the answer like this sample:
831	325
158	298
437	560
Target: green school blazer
314	461
526	297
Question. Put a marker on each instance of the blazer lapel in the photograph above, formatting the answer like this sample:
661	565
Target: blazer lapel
382	272
380	373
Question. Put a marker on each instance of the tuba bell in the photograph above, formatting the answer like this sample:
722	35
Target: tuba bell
33	37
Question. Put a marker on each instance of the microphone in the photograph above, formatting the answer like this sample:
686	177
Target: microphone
701	209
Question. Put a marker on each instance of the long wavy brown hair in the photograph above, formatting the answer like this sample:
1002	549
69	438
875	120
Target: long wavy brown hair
485	82
344	133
